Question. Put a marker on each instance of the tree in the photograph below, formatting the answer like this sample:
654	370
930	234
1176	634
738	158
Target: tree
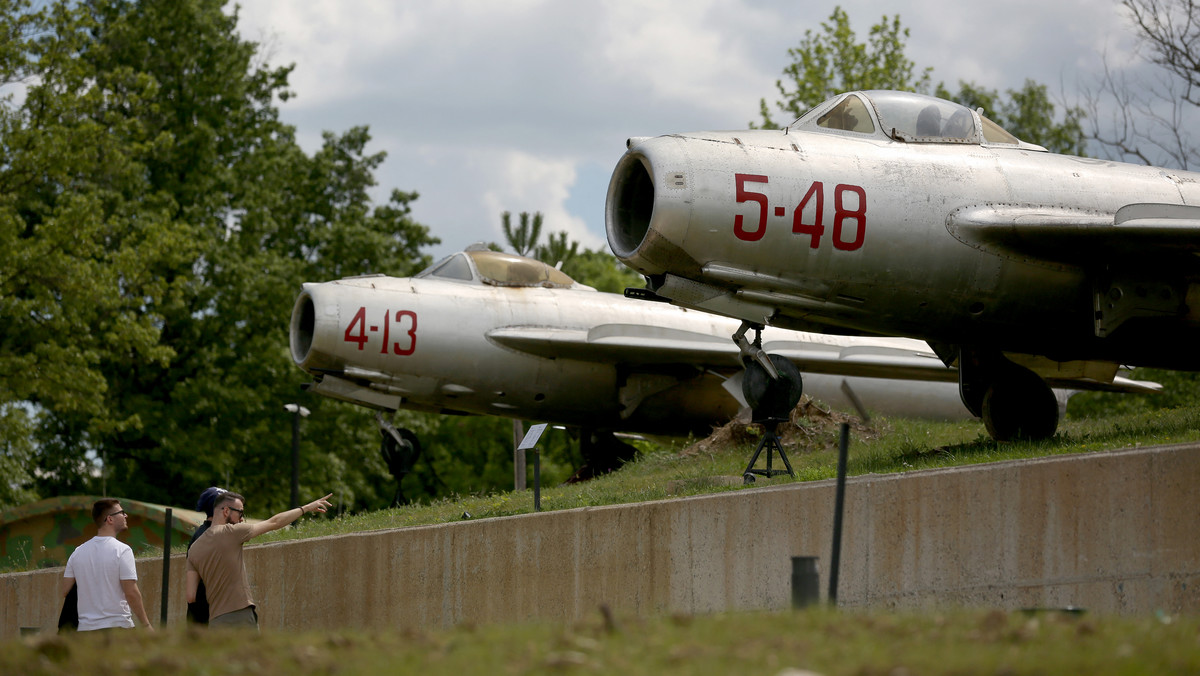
1170	29
523	238
833	61
558	251
601	270
1028	113
1151	118
156	222
74	269
598	269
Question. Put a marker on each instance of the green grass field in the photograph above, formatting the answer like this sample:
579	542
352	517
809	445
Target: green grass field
820	641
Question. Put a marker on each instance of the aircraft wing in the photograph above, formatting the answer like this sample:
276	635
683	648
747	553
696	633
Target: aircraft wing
641	344
624	343
1118	384
1146	233
878	361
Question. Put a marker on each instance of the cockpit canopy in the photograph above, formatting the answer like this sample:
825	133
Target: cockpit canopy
907	117
497	268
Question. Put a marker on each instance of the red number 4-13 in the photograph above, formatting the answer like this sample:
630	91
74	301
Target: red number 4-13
808	218
406	320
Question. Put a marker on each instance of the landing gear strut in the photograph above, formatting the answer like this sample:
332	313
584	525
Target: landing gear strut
400	450
602	453
772	386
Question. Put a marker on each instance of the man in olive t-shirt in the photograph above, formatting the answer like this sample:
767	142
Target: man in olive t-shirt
216	558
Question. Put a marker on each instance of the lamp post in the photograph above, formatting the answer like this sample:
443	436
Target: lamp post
297	412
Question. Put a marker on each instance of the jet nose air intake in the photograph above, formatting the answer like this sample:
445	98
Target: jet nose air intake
304	321
630	205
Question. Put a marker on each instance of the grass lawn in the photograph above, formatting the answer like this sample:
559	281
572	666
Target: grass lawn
819	641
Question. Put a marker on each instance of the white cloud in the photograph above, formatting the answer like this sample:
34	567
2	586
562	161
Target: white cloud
533	184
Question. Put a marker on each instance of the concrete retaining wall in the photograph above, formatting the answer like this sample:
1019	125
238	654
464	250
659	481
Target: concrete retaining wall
1111	532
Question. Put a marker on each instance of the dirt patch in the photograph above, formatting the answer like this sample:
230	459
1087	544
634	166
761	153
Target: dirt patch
809	428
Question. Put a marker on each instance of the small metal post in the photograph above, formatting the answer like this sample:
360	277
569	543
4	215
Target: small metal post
839	504
166	574
295	460
806	581
518	456
529	444
297	412
537	480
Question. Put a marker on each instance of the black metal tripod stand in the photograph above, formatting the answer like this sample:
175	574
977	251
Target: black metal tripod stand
770	442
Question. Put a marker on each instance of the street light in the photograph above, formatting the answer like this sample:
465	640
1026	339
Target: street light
298	412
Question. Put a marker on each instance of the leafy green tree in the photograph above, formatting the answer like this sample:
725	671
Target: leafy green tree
156	221
558	250
602	271
16	455
522	238
473	455
1027	113
75	269
833	61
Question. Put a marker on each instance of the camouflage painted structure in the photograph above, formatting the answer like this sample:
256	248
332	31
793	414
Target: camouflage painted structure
43	534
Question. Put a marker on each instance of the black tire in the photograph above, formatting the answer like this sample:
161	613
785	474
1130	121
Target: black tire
772	399
1020	405
400	457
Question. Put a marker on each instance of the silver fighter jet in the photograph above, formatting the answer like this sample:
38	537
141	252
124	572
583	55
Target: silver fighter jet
890	213
489	333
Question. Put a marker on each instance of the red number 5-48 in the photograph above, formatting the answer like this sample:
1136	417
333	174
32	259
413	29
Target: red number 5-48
808	217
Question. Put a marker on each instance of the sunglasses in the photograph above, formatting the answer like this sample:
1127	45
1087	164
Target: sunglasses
120	513
241	512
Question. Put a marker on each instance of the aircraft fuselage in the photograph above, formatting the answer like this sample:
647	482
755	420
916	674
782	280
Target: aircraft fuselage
841	233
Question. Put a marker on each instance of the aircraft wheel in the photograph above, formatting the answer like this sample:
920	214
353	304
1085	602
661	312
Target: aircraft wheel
770	398
400	457
602	453
1020	405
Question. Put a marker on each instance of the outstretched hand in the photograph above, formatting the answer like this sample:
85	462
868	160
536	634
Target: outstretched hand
319	504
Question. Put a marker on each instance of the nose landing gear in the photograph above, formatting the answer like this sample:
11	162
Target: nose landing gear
772	386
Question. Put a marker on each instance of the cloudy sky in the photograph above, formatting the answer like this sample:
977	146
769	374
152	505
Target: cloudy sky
524	105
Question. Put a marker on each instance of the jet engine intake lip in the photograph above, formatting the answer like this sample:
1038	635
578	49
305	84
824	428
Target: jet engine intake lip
304	323
629	208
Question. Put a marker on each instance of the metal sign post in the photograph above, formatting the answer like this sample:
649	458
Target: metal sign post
166	574
530	443
840	496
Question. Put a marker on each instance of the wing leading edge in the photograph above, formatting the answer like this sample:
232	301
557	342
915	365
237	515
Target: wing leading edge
1149	233
637	344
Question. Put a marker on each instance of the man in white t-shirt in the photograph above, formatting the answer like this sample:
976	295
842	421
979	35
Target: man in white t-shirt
103	568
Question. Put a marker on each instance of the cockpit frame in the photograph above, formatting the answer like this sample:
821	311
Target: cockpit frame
497	268
906	117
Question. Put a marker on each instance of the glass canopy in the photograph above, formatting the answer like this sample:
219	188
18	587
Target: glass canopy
908	117
497	269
